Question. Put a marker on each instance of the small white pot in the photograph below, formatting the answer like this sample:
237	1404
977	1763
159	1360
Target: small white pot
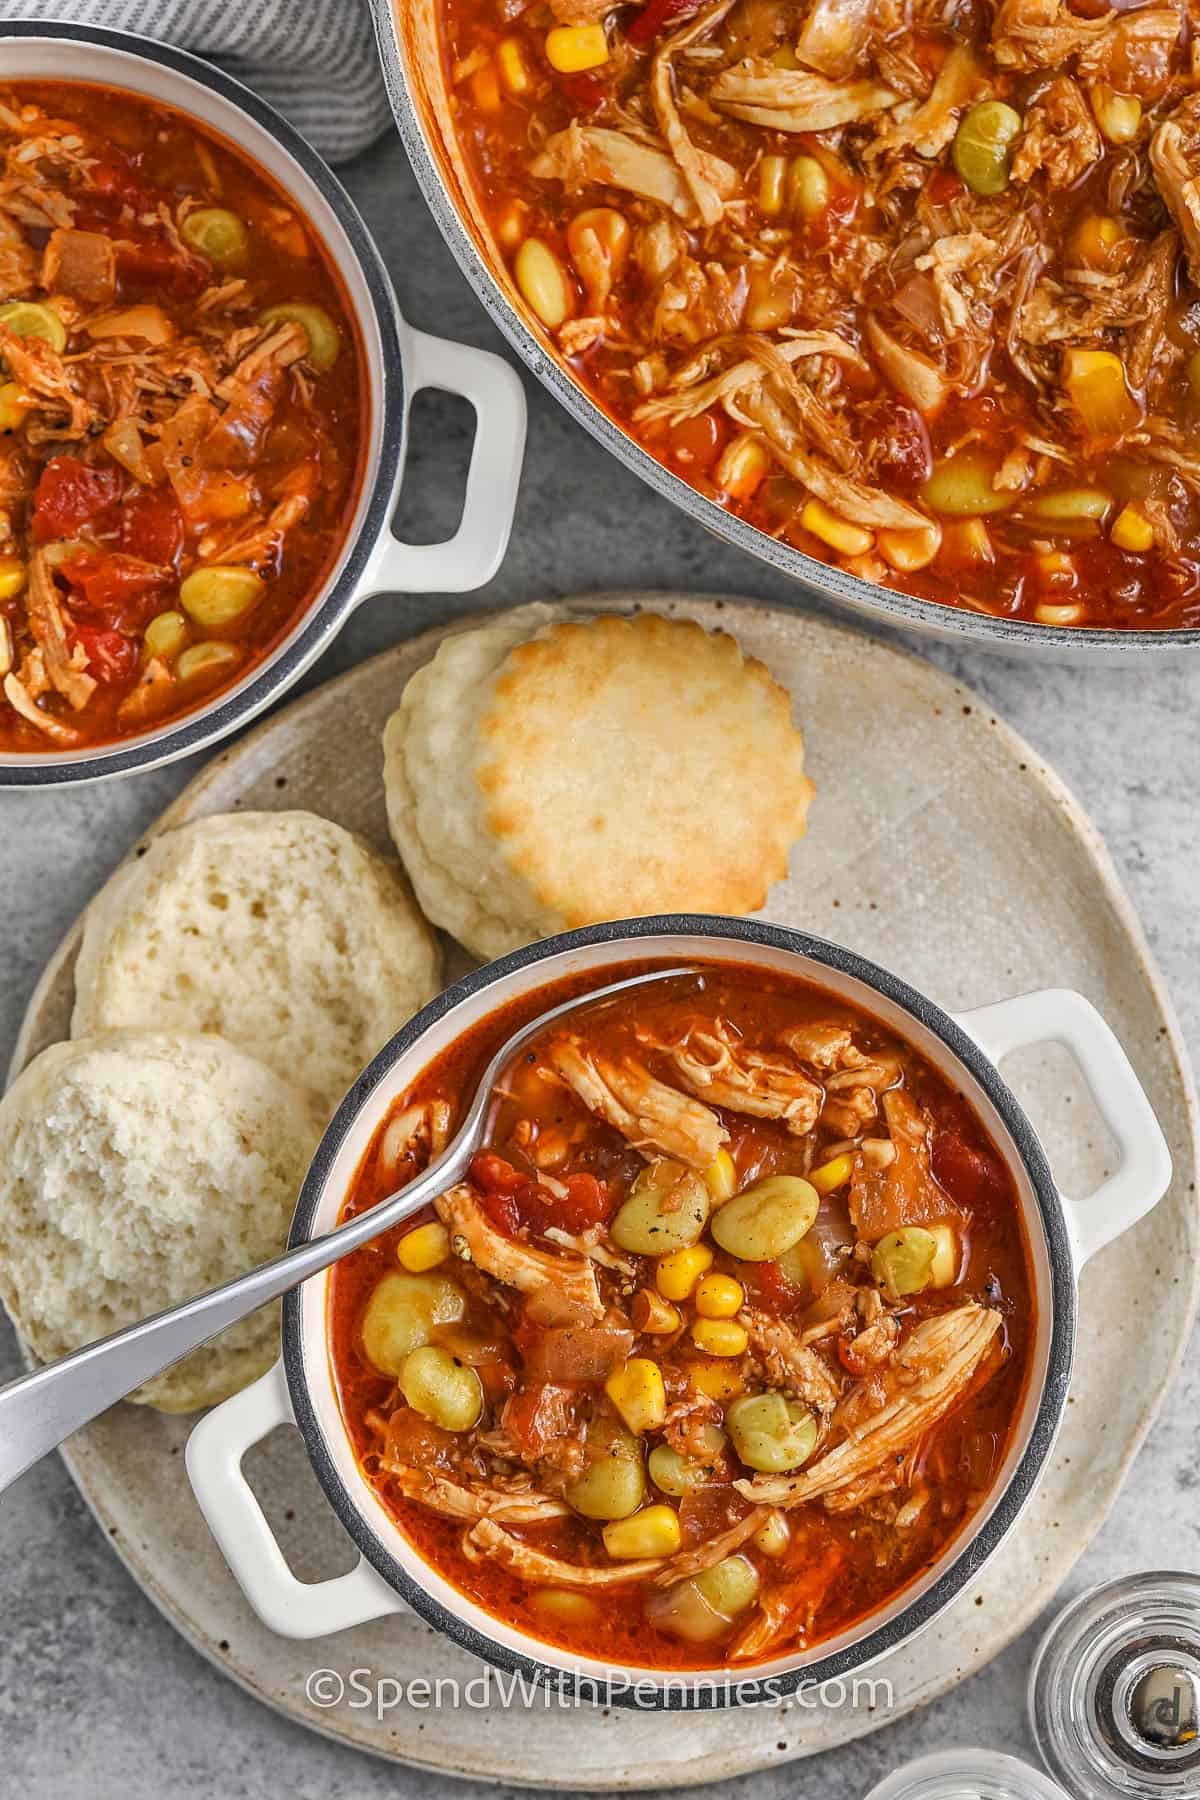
399	363
1063	1233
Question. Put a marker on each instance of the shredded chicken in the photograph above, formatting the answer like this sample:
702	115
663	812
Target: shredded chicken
1061	139
713	1550
794	100
1175	159
451	1500
710	179
594	153
789	1364
883	1417
648	1113
716	1066
542	1570
475	1240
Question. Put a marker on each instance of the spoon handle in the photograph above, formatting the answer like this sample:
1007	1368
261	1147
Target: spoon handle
38	1411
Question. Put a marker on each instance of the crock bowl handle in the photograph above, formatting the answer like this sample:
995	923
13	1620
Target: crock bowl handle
1061	1016
471	557
295	1609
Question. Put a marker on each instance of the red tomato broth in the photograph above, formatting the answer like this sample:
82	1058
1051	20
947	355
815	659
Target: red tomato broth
855	1561
293	431
667	330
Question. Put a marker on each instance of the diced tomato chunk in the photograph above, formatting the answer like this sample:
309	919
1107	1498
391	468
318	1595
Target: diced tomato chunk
493	1175
769	1287
71	494
112	658
944	186
152	527
654	19
154	263
587	89
897	442
107	578
501	1210
970	1176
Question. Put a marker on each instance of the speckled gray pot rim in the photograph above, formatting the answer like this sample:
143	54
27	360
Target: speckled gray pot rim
329	610
977	1546
850	591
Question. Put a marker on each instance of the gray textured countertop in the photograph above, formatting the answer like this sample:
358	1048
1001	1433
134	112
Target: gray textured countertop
98	1696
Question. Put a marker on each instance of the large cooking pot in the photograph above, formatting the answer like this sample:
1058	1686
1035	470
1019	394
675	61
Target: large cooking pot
415	71
398	363
1062	1234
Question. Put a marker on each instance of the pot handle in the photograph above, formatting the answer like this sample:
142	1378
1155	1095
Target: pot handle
1061	1016
471	557
295	1609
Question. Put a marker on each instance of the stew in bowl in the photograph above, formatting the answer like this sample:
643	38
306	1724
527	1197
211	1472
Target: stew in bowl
738	1351
721	1343
181	414
910	290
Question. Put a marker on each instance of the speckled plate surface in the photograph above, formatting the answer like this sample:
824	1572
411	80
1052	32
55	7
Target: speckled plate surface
940	846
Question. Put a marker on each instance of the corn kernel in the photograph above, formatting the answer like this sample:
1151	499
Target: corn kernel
512	224
14	404
1058	615
721	1177
638	1393
573	48
563	1606
543	281
718	1380
652	1314
833	1174
909	550
773	1535
770	299
772	176
12	577
1132	530
839	534
512	67
719	1337
967	541
1095	238
424	1248
485	88
677	1273
1096	386
742	468
719	1297
1119	116
1056	568
808	187
652	1532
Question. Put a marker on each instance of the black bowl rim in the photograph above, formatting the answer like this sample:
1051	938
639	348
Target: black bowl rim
196	730
820	580
976	1549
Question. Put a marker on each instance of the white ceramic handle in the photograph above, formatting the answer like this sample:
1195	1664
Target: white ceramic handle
471	557
295	1609
1061	1016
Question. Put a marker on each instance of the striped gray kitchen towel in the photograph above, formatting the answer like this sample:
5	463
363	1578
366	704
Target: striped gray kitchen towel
313	59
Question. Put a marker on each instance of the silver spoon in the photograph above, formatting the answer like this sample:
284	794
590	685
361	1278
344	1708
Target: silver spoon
38	1411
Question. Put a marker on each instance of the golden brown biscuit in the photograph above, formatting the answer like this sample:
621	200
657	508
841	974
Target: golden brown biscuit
589	770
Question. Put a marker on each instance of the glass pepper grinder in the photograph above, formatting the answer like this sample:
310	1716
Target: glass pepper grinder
966	1775
1114	1692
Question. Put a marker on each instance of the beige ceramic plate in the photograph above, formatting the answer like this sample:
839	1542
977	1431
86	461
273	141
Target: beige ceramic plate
938	845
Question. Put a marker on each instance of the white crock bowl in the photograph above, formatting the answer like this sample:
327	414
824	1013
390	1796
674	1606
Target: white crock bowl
391	1574
399	362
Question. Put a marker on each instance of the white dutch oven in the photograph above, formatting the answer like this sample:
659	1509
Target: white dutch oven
399	362
1063	1233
